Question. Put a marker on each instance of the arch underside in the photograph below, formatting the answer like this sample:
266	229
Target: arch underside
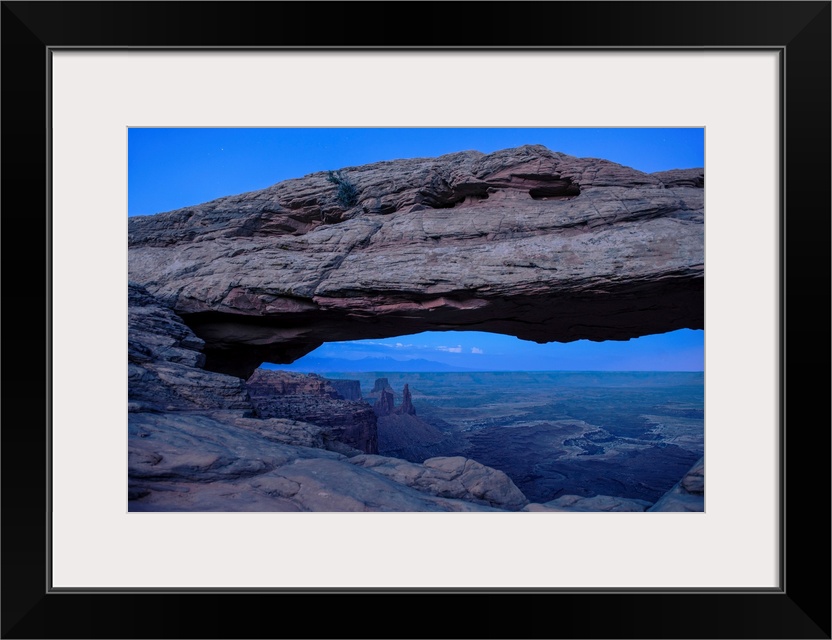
238	344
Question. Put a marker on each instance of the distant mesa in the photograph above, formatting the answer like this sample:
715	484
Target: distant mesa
374	396
594	503
380	385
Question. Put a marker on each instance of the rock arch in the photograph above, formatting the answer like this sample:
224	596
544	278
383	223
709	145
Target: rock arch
525	242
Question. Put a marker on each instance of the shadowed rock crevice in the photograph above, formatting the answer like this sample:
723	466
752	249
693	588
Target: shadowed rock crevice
526	242
238	344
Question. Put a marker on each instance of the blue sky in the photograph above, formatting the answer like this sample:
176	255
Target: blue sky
480	351
177	167
173	168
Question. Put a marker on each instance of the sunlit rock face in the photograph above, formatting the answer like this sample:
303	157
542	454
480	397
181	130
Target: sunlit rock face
525	242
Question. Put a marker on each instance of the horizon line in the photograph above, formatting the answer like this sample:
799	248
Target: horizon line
514	371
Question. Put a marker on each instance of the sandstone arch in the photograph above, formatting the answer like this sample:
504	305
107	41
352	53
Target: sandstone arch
526	242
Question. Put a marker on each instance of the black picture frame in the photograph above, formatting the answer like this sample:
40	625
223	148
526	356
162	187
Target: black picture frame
799	31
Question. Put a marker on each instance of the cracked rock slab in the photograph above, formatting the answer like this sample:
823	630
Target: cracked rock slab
450	477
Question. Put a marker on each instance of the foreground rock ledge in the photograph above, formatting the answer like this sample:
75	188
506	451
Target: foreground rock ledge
525	242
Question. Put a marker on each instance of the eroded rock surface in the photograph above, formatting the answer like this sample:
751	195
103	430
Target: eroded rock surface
165	360
385	404
347	389
595	503
688	494
185	461
527	242
450	477
403	434
406	407
379	387
287	383
311	398
197	443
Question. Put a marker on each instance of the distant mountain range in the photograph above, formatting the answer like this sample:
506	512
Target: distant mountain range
321	365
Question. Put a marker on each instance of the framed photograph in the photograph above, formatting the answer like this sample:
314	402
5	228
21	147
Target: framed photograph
753	78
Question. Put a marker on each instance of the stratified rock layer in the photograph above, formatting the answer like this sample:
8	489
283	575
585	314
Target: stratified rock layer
288	383
196	443
347	389
184	461
165	360
527	242
310	398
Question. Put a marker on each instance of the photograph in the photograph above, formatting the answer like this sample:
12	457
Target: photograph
416	315
416	319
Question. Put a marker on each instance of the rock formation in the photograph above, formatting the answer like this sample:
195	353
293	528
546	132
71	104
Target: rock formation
451	477
313	399
186	461
594	503
287	383
379	386
347	389
406	407
165	360
385	399
409	437
526	242
403	434
384	406
196	443
688	494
